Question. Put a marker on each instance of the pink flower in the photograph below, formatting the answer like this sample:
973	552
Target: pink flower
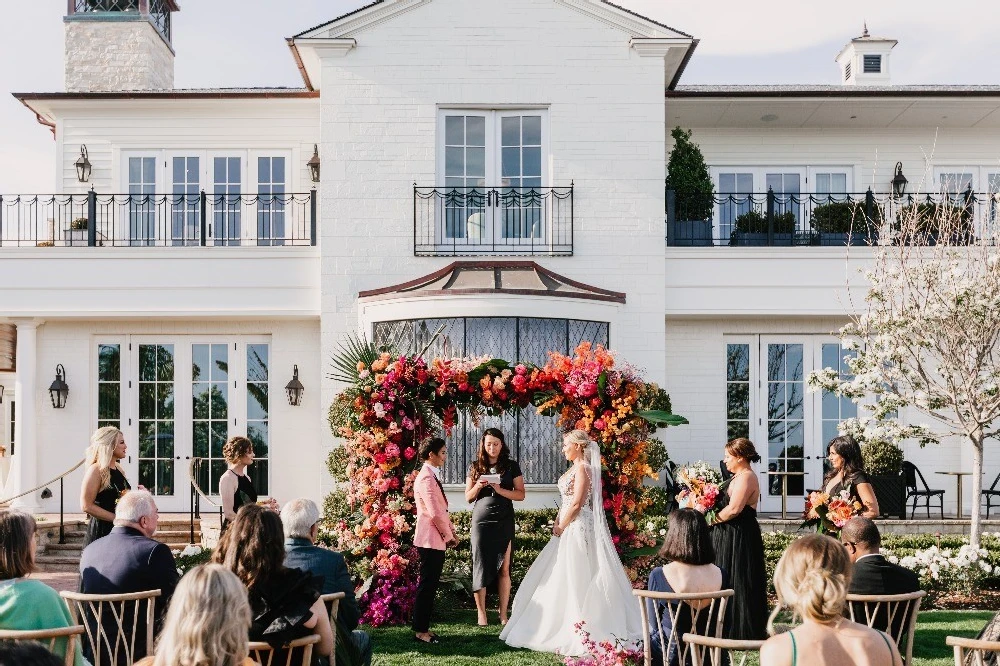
599	424
409	452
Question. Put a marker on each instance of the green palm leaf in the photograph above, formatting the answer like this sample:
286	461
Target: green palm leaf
662	419
349	353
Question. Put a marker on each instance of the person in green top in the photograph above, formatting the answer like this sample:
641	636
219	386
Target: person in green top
27	604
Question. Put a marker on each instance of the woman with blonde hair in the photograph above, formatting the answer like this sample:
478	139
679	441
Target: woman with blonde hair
207	622
812	579
104	481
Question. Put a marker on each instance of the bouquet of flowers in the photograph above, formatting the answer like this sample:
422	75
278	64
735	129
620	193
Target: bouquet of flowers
604	653
828	513
701	487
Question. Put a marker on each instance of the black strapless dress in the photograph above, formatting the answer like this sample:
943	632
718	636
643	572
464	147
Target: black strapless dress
492	530
107	499
739	550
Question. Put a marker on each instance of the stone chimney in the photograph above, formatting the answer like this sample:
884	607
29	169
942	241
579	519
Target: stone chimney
119	45
864	61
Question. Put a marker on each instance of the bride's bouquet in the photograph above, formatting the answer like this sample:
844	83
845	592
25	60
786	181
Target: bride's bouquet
828	513
701	489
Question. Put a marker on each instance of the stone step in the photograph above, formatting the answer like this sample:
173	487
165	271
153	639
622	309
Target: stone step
54	563
64	549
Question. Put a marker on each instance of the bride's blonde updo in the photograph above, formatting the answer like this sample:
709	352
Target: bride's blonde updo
578	438
812	578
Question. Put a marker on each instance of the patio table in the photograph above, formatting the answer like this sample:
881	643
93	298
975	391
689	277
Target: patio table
784	488
958	483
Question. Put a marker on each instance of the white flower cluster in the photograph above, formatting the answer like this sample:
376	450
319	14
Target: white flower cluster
700	470
189	551
962	567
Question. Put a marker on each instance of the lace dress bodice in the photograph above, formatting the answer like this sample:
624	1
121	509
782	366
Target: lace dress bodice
567	490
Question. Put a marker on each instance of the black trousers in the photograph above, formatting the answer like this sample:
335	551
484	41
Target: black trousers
431	564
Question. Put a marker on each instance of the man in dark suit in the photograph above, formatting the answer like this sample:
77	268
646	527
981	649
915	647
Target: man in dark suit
300	519
129	560
873	574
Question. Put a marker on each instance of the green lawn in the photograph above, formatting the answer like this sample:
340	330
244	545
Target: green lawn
465	644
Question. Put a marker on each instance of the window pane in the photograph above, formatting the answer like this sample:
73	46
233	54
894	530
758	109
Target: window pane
510	131
475	165
738	363
531	130
454	161
532	162
475	131
454	130
511	163
257	363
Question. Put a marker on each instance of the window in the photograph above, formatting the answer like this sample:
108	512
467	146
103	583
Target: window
737	391
185	200
257	413
533	439
847	71
142	204
210	411
109	385
271	201
873	64
830	182
156	418
227	180
836	409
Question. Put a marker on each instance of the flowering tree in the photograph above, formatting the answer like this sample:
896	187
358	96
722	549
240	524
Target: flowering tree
927	339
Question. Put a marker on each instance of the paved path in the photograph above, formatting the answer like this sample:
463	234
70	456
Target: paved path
59	581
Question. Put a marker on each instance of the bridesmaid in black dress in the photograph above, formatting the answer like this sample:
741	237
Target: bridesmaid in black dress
235	487
493	519
104	481
739	547
847	472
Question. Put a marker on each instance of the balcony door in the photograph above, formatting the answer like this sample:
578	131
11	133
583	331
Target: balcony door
492	168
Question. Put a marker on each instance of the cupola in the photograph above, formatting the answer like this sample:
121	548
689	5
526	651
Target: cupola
864	61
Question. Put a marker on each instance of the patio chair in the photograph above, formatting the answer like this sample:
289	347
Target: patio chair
61	641
895	614
990	494
705	610
910	474
295	653
972	651
711	651
119	629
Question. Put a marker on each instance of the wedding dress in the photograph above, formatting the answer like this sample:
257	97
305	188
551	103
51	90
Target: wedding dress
577	576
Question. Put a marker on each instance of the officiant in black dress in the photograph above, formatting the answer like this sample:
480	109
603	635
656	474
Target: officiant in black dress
494	484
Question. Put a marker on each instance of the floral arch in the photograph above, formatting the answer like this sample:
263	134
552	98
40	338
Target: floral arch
393	403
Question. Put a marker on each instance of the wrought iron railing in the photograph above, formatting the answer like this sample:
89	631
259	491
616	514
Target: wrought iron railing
148	220
501	220
833	219
158	11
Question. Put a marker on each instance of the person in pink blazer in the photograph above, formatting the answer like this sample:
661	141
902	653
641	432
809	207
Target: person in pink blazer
433	535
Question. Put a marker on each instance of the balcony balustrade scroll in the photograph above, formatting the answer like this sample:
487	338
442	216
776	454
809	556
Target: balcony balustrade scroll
93	219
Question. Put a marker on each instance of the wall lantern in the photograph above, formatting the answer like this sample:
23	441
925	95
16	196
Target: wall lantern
83	165
59	390
313	164
294	388
899	181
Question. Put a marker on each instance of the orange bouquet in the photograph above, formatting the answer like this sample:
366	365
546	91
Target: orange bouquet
828	513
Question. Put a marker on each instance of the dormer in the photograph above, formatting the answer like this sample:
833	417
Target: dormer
864	61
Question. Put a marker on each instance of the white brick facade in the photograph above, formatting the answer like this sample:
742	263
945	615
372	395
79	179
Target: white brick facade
120	55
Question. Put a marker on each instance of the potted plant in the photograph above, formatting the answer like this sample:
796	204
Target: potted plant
751	229
926	223
884	465
690	218
77	233
844	223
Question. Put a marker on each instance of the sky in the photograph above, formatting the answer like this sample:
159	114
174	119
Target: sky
224	43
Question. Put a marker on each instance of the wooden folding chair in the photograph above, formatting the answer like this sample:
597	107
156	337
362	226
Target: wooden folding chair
265	655
332	601
708	608
61	641
972	651
895	614
712	648
114	622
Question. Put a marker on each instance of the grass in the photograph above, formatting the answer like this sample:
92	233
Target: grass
465	644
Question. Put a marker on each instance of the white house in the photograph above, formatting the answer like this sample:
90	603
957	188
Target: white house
487	178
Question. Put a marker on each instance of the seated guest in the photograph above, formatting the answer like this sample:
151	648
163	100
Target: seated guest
301	520
207	623
872	573
690	568
130	560
25	604
812	579
284	603
27	654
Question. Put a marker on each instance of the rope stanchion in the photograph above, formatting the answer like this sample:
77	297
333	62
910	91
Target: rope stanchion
40	486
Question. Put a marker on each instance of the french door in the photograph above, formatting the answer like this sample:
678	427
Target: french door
492	170
768	401
183	397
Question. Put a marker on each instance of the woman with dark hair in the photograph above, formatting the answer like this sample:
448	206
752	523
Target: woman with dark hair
235	487
690	569
847	473
492	531
284	603
739	547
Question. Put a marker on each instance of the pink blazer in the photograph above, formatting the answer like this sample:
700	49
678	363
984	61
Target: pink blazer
434	526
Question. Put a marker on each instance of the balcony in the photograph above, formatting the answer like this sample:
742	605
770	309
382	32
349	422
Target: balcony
492	221
830	220
157	220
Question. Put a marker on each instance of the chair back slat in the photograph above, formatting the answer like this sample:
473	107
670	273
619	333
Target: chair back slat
112	623
972	651
332	602
703	647
61	641
909	475
705	608
895	614
265	655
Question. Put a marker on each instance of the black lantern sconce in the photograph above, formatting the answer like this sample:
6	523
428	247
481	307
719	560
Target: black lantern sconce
59	389
83	165
294	388
313	164
899	181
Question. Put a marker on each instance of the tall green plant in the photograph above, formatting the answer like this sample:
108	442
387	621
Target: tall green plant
687	175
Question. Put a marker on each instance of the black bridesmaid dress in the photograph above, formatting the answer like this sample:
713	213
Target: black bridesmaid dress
107	499
739	550
492	529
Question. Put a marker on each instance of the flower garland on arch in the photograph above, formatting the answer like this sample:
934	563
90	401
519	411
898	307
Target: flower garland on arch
393	403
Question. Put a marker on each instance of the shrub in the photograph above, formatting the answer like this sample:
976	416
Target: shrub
754	222
687	175
78	224
843	217
191	557
928	219
882	458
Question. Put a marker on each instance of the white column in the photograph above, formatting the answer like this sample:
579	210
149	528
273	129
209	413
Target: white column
24	463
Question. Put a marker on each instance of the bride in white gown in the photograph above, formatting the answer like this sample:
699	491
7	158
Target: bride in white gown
578	575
